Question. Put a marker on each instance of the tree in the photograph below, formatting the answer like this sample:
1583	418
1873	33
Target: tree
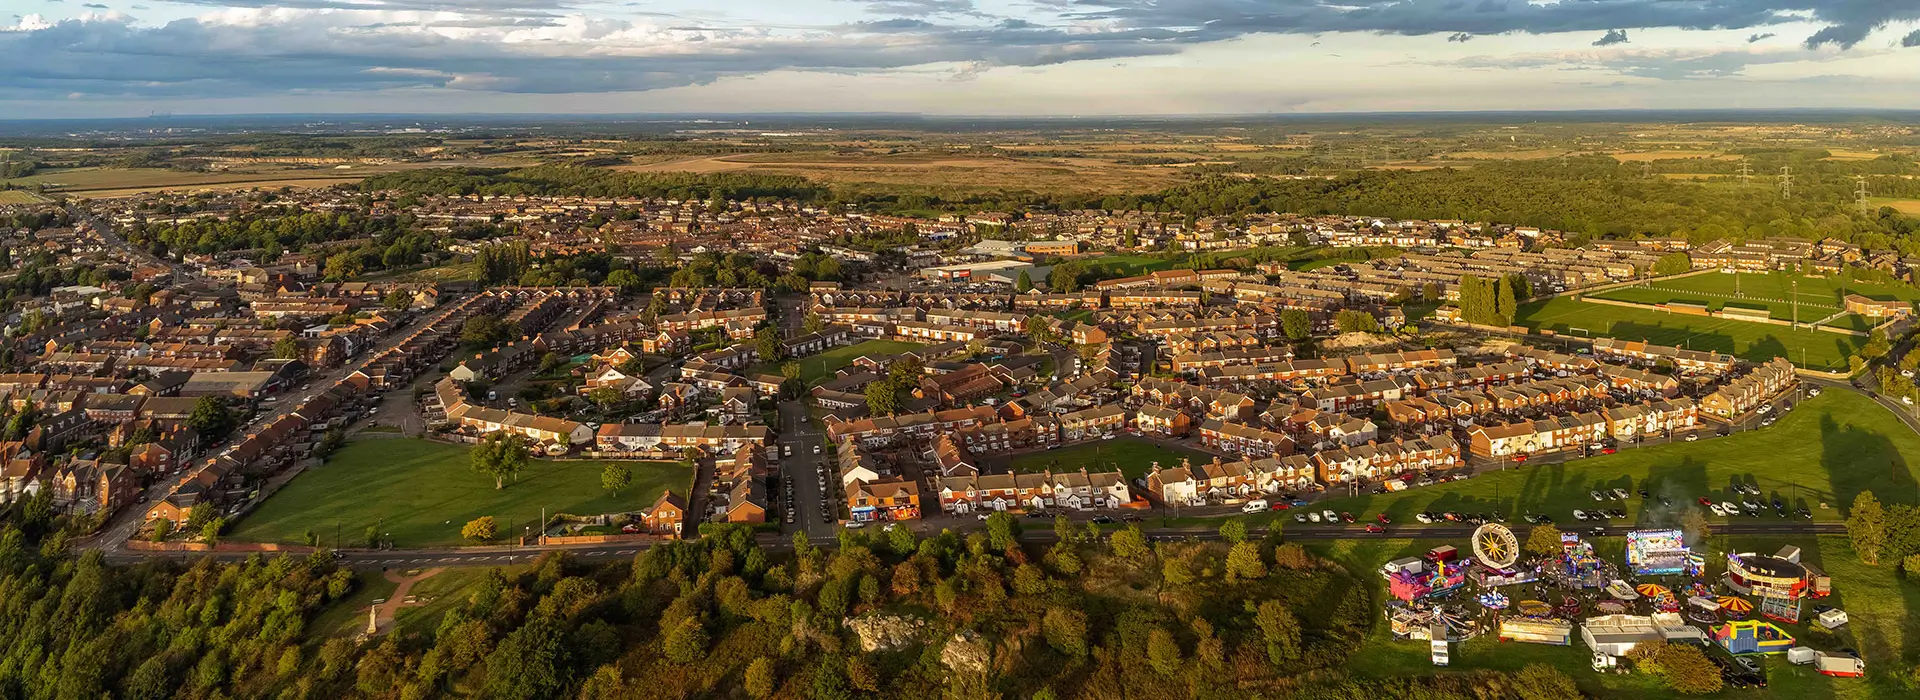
1003	531
500	455
1066	630
531	663
790	370
1504	302
813	323
286	348
1867	527
1356	321
759	680
1543	682
1024	284
1244	562
398	300
615	476
605	397
1233	531
1687	670
1296	324
1163	653
481	529
1064	277
1672	264
624	279
210	532
767	341
1694	523
211	419
1176	571
161	529
1129	543
687	642
1281	629
484	331
1543	540
882	398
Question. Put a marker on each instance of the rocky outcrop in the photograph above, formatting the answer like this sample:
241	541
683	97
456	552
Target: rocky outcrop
878	632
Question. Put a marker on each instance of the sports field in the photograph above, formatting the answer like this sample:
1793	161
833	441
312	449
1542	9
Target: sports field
1818	297
421	492
1758	342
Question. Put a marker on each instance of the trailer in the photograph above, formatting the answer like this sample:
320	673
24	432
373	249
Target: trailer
1800	655
1838	665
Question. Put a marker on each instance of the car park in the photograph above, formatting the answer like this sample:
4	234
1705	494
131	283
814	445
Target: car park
1579	514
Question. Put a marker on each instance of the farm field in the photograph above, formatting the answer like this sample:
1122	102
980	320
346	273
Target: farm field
817	368
421	492
116	182
18	197
1824	452
958	171
1904	206
1132	456
1882	606
1745	339
1818	297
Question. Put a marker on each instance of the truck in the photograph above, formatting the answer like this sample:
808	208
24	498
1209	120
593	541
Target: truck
1838	665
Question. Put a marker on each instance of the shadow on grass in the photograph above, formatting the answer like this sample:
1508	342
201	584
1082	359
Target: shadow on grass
1859	460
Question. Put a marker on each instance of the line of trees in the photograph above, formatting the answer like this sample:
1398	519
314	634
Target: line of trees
1488	302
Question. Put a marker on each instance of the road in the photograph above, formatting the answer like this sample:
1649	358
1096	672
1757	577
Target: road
802	472
104	229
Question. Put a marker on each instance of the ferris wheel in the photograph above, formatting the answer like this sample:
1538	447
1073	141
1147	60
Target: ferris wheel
1495	546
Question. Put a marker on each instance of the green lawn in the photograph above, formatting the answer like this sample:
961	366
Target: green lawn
1129	265
817	368
1882	608
1818	297
1132	456
1758	342
1826	451
440	594
421	492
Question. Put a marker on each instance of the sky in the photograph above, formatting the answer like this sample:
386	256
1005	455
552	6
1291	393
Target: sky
116	58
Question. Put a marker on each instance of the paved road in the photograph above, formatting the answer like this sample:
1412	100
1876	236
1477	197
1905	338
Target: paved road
802	472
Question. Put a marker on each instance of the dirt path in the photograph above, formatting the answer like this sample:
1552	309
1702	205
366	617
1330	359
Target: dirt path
384	612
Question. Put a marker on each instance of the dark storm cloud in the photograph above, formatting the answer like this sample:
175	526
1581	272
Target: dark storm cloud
1911	40
1761	37
1460	37
1613	36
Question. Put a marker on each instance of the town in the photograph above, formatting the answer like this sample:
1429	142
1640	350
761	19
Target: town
236	372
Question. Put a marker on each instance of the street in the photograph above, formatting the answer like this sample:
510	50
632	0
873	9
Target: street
801	472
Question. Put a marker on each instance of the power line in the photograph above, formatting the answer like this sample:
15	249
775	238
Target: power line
1786	182
1746	173
1860	192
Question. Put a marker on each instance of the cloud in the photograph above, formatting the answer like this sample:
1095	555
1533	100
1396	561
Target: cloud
1659	64
1613	36
96	6
1460	37
1911	40
1846	21
1760	37
280	51
918	8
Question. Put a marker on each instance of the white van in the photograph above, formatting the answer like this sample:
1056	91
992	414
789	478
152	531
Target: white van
1258	505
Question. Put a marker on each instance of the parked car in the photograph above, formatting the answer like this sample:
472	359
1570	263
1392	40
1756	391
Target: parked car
1375	528
1692	437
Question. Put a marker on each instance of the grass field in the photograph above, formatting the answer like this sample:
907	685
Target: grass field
1129	265
1133	457
19	197
1882	608
1752	341
115	182
1826	451
1904	206
1818	296
421	492
817	368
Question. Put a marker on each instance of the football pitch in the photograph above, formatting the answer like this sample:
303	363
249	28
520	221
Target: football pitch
1818	297
1757	342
